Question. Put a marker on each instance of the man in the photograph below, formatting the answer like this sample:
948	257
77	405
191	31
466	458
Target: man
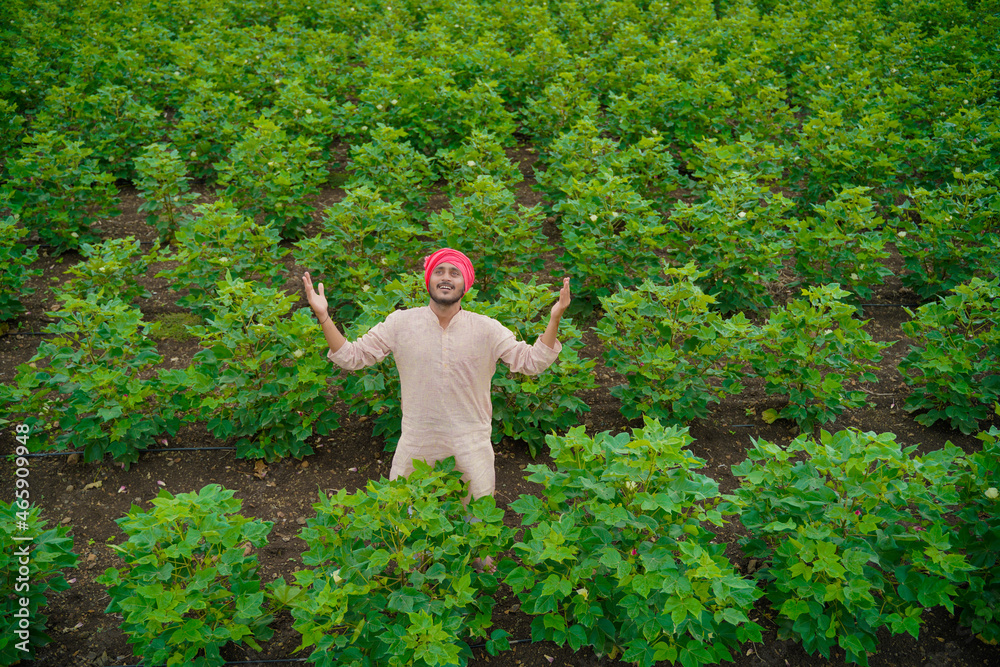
446	357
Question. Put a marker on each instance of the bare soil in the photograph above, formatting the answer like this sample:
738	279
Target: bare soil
283	492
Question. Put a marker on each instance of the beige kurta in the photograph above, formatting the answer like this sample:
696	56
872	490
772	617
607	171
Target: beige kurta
445	377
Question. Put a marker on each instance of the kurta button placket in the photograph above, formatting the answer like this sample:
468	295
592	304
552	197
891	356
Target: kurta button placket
444	349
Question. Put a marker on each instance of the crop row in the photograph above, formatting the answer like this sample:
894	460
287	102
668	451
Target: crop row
829	103
856	535
261	375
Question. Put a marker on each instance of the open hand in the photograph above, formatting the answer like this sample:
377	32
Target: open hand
317	299
562	304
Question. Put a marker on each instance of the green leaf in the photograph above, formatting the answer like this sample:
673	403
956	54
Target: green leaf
792	608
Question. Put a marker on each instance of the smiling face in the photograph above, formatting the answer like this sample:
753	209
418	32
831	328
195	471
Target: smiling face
447	284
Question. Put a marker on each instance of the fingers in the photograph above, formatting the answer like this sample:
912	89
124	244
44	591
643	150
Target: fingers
307	281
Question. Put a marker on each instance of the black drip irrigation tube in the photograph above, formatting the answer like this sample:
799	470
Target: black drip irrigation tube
144	451
49	245
893	305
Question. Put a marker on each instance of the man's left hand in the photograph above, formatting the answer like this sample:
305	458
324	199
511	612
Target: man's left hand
562	304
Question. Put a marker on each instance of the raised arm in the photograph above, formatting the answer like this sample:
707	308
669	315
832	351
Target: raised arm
317	301
560	306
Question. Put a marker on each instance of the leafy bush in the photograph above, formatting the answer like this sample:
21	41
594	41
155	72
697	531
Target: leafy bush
305	110
841	147
11	129
948	235
190	584
616	555
842	243
393	576
58	190
111	122
736	236
560	105
486	209
977	536
603	221
259	376
541	60
954	367
809	350
715	161
393	167
113	266
34	578
854	534
15	258
163	185
208	125
94	375
676	353
684	107
964	135
267	173
480	154
364	241
430	106
217	240
584	153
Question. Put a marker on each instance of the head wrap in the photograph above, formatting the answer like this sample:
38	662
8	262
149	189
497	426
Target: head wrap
454	257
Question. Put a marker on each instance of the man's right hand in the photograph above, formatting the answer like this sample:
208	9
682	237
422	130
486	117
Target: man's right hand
317	300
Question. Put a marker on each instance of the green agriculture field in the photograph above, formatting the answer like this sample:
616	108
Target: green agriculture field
783	217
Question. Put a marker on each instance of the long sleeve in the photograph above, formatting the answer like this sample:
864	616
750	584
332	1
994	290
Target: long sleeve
524	358
367	350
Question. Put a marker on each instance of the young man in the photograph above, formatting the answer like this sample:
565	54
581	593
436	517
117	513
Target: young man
446	357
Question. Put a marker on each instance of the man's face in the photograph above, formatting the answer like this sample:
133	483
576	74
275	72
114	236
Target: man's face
447	284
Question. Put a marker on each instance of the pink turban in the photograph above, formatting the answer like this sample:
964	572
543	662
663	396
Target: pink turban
453	257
